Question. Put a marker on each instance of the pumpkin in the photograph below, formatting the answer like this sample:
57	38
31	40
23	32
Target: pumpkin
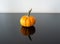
27	31
27	20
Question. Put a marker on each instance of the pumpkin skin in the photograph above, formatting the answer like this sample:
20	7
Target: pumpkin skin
26	31
27	21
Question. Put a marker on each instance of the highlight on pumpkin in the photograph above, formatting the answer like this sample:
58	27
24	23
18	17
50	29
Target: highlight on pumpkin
27	31
27	21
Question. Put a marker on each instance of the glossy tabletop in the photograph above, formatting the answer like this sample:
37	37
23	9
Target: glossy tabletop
45	31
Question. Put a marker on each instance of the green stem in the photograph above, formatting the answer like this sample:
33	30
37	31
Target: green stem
29	12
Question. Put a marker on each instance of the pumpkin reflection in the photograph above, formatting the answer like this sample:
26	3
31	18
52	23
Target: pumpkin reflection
27	31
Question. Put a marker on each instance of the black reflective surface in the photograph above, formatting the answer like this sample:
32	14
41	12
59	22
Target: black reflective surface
45	31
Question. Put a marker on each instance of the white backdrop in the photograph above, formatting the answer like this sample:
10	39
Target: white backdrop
18	6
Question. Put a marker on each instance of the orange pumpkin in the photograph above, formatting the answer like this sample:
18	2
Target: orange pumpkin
27	20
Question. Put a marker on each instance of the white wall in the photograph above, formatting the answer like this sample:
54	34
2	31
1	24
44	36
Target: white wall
25	5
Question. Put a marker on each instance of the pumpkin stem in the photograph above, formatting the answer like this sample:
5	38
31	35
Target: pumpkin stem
30	37
29	12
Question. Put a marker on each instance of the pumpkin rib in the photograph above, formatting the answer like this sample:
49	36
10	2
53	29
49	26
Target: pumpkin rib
29	20
32	19
25	21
